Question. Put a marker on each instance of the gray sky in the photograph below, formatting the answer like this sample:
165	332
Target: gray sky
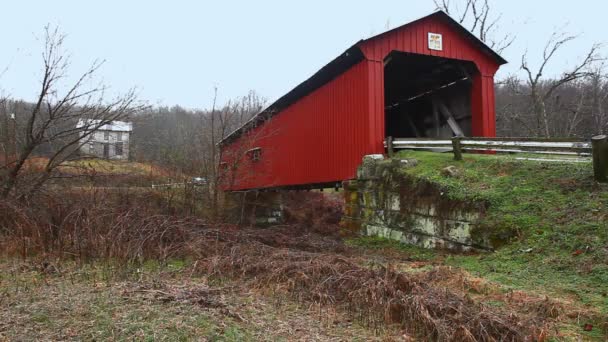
174	52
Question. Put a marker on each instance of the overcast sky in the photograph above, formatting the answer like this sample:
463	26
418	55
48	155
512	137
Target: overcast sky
175	52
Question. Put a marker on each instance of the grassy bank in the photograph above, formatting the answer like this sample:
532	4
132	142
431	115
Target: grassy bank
555	215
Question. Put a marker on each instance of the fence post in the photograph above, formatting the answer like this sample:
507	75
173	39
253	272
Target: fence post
456	148
599	144
389	146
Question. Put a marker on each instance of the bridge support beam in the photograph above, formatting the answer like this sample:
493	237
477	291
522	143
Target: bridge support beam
255	207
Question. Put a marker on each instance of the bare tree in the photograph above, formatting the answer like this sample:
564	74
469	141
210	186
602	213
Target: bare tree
511	109
576	110
540	92
51	123
5	132
218	124
212	168
599	98
478	17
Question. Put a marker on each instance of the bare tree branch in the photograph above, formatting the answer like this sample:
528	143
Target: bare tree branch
477	16
540	92
52	120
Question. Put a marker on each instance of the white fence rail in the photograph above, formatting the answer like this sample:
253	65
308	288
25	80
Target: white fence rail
595	149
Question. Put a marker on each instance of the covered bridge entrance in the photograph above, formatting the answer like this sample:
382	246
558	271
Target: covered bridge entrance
427	96
428	78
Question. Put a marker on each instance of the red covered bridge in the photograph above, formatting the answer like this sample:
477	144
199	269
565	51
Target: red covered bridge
428	78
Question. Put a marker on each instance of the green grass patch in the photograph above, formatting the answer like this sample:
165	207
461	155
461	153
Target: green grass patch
556	214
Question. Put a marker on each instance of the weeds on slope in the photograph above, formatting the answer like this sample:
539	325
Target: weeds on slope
375	295
312	268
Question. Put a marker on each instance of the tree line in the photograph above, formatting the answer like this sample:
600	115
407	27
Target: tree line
572	104
188	138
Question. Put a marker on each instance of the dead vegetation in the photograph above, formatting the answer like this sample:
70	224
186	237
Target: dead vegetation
161	303
314	268
375	295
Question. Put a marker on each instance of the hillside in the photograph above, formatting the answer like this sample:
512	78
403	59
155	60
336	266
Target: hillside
134	254
553	219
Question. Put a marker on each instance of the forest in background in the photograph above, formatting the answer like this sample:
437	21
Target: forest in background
528	104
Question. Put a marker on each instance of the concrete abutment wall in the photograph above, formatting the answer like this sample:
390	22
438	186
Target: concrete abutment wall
384	201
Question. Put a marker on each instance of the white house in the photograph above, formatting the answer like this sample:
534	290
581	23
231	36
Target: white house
110	141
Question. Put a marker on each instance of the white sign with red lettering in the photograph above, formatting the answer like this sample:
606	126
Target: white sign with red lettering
435	41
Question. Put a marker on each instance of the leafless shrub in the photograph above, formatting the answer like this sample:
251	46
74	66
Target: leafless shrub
315	211
95	224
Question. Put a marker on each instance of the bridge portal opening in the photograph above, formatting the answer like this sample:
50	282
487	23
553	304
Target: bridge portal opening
427	96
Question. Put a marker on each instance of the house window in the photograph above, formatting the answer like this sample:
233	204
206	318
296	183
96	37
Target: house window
119	149
119	136
255	154
106	135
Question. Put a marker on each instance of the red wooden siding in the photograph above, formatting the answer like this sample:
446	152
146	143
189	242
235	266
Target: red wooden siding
413	39
321	136
318	139
376	111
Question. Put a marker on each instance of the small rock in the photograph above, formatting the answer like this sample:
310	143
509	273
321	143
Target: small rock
372	157
404	163
451	171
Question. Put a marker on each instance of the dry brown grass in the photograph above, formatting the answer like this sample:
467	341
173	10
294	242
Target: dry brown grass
97	224
317	269
375	295
93	302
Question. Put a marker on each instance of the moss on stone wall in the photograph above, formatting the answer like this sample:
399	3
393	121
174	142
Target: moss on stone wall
548	221
393	204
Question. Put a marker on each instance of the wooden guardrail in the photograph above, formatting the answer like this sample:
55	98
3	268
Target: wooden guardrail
595	150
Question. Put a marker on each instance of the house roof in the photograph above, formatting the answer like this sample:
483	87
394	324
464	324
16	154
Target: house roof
117	126
343	62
